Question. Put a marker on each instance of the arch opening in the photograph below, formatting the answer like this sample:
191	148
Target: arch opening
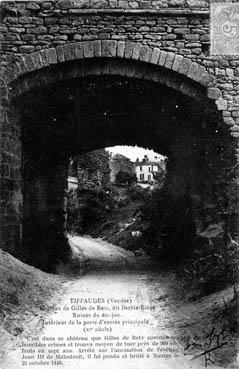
95	110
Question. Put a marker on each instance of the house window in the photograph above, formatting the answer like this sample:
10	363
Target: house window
149	177
149	169
141	177
140	168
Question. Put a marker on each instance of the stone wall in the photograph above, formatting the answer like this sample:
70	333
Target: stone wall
30	26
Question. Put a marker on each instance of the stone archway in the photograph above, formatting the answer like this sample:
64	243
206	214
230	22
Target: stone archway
45	68
114	49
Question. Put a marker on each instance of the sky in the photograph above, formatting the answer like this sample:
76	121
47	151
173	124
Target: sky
133	152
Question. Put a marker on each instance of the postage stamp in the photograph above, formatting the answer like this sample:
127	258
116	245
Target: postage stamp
224	29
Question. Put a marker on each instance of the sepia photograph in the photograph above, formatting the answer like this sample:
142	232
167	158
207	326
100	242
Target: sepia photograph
119	184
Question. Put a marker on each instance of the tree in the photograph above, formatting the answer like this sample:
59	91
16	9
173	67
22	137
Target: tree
125	178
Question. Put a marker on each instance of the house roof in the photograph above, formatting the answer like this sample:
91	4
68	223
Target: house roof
142	163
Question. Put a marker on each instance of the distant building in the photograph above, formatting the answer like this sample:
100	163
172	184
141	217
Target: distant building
119	163
146	170
72	183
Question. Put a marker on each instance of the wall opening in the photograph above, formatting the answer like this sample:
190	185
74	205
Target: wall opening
79	115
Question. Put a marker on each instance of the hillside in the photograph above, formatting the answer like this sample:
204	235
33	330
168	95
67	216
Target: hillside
26	294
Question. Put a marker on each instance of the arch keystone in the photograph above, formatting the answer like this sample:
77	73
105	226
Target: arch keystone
108	48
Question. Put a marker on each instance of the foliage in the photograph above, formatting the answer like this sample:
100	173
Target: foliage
170	229
215	270
125	178
160	176
95	163
137	193
94	206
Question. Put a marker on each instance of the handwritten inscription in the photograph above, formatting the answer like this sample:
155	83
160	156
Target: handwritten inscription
207	345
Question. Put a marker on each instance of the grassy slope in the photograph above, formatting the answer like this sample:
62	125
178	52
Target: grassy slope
25	296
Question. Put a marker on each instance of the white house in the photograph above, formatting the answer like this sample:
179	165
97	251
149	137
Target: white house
146	169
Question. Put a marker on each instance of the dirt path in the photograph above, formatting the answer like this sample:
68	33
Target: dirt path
113	273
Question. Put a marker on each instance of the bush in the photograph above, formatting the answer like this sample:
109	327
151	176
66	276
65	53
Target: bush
94	207
170	229
215	270
137	193
125	178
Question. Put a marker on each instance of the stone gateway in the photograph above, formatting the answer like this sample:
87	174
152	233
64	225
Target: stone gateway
82	75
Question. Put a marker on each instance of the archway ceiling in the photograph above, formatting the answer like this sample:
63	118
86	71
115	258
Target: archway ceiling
88	113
